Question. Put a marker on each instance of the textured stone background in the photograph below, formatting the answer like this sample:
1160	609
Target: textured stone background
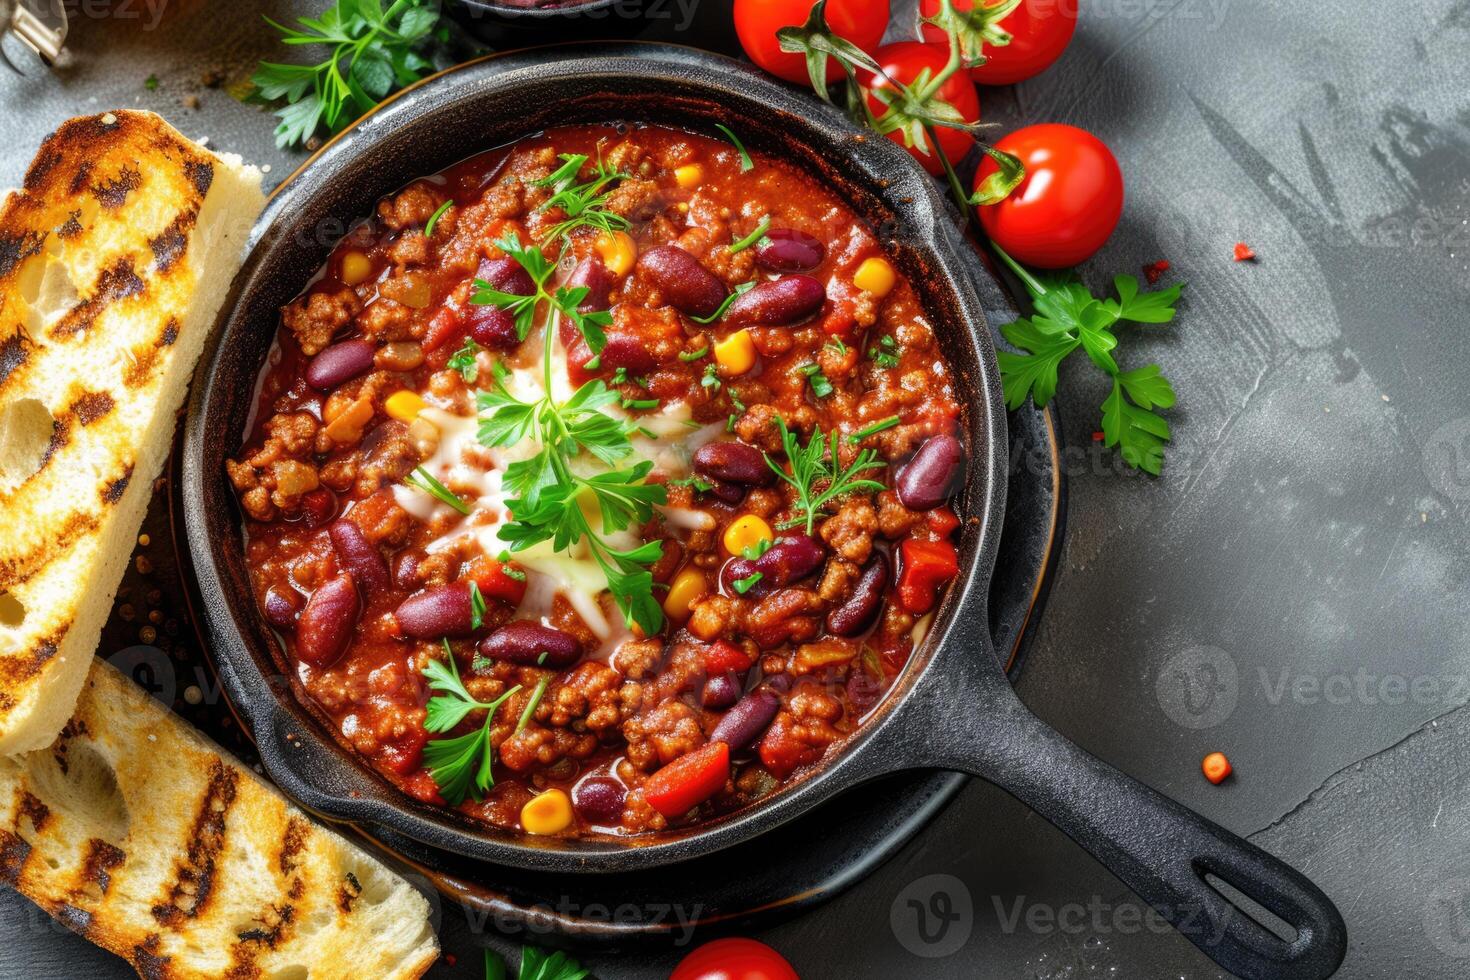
1295	590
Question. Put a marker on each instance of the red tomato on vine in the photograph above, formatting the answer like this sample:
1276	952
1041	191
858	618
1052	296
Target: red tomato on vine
1066	206
1040	31
756	22
914	65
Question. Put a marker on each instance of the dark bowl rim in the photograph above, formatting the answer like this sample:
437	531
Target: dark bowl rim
261	700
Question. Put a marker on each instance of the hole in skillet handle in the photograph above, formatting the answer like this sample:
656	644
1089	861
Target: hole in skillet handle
1250	912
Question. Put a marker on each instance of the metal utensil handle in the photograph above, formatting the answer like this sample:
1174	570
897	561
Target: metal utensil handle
1159	848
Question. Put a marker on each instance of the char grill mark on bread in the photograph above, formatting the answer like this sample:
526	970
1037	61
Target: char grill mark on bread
114	259
146	839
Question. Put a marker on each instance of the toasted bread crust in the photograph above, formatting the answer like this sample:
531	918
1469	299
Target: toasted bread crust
140	835
113	260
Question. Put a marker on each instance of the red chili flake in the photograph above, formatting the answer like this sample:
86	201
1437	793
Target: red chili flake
1154	271
1099	436
1244	253
450	959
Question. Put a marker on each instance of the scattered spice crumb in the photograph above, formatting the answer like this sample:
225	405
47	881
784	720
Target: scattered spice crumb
314	143
1424	517
151	83
450	959
1216	767
191	101
1384	397
265	168
1244	253
1098	436
1155	270
212	78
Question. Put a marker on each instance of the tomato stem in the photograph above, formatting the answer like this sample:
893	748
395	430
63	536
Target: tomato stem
1031	281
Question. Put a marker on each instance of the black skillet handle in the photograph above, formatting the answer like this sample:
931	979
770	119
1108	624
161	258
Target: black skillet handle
1160	849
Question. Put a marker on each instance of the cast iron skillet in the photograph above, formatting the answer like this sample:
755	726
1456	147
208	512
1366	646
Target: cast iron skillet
952	707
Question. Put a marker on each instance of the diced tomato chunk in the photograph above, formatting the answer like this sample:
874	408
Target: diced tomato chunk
447	323
942	521
405	754
924	566
689	780
782	752
505	581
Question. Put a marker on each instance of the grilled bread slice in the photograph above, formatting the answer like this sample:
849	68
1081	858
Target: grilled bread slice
150	841
114	258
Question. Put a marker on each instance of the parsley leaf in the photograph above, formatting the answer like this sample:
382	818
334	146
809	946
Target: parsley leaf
1067	317
459	766
371	51
463	360
817	472
540	964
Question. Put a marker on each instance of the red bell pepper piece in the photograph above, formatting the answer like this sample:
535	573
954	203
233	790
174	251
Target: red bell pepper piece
497	579
923	567
723	656
689	780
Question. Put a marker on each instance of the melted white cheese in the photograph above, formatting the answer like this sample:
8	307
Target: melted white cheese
474	472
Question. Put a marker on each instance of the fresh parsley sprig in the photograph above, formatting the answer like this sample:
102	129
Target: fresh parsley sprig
817	472
372	52
546	493
460	766
1067	317
584	202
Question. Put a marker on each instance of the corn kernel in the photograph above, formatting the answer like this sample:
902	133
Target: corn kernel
404	405
746	531
736	353
618	251
687	586
689	175
875	276
546	813
356	268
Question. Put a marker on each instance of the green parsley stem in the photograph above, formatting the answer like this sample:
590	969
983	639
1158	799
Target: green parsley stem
874	429
1037	289
753	237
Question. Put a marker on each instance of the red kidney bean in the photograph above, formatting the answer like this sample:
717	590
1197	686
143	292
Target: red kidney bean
687	286
599	799
721	691
924	482
506	275
777	302
523	642
743	568
281	606
857	613
406	567
745	722
339	364
730	493
492	327
327	622
360	557
440	610
318	507
624	350
789	250
733	462
591	272
794	556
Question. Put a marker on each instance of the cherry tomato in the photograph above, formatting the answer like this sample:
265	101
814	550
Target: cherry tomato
905	61
734	959
1040	31
756	22
1067	205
